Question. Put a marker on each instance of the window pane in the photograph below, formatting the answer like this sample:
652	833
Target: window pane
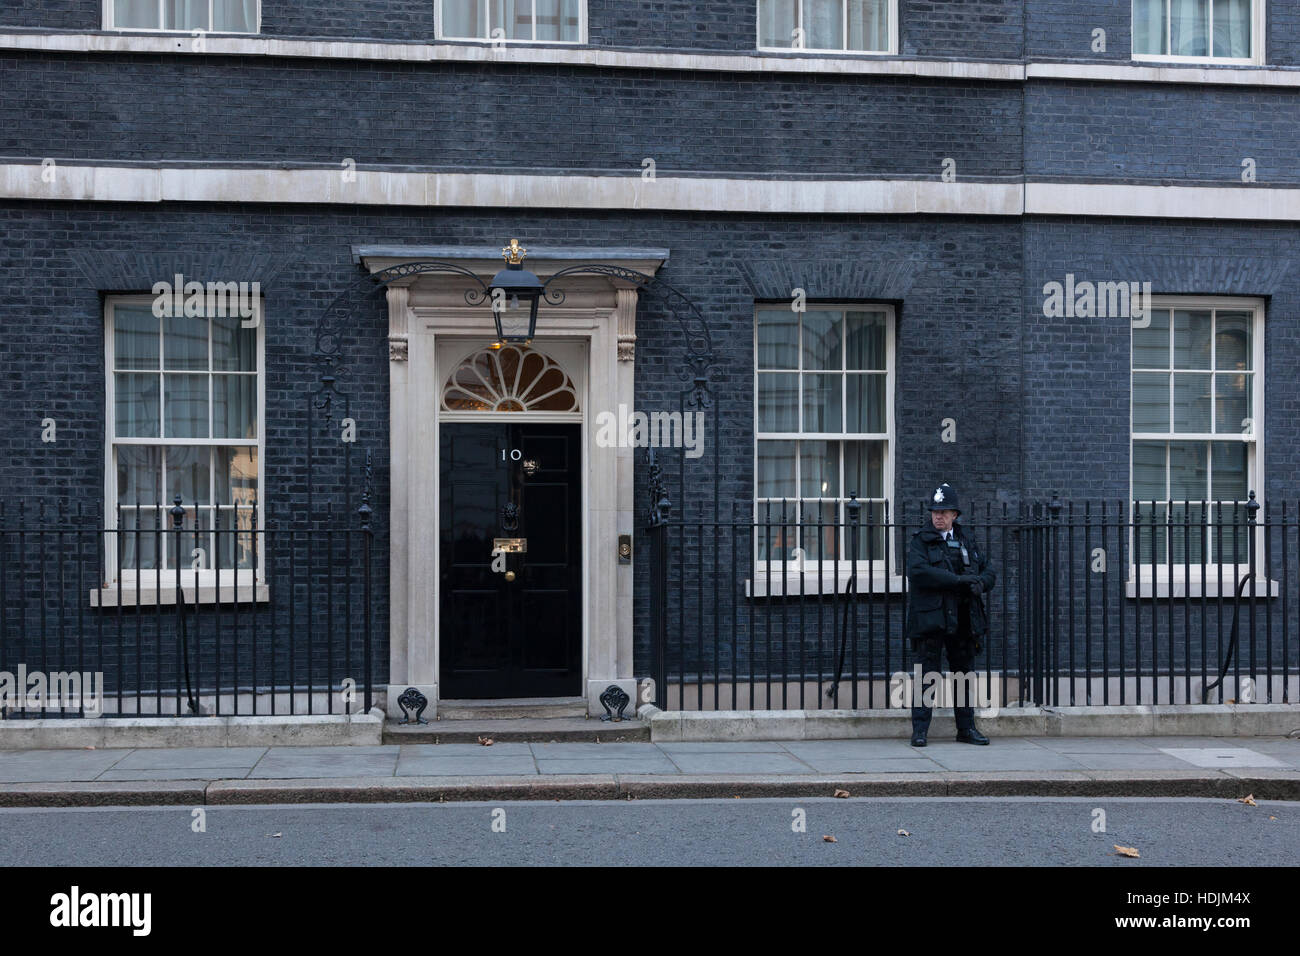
136	13
819	469
776	21
1191	540
139	542
234	348
1232	404
1148	471
823	24
234	406
1188	471
186	399
1189	27
866	340
185	342
463	18
235	541
1150	402
236	475
1191	339
185	14
135	337
778	403
558	20
778	339
1192	402
820	530
1150	538
139	475
234	16
822	397
866	402
776	469
1151	344
868	24
1232	28
135	400
1149	26
513	17
864	471
1232	345
187	474
821	340
1228	474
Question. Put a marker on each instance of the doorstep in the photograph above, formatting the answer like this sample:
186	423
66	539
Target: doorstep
303	730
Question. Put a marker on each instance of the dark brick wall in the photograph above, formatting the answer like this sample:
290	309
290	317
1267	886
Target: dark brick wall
79	16
1136	132
247	110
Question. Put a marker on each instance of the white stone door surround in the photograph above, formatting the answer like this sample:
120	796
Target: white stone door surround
427	309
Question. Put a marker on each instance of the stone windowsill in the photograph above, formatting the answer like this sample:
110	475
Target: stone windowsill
875	583
150	596
1188	584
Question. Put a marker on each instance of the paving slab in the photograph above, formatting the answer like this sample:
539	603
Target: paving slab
1123	760
460	751
879	765
590	751
723	746
209	773
994	758
1221	758
281	767
506	764
816	749
51	765
1097	745
192	758
751	763
569	765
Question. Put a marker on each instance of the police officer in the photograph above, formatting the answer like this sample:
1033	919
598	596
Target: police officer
947	576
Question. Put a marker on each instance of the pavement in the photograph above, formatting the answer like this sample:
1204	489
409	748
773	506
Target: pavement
1267	767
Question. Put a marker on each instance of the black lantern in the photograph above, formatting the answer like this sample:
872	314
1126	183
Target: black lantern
515	293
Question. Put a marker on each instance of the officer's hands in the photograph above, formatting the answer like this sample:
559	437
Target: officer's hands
972	583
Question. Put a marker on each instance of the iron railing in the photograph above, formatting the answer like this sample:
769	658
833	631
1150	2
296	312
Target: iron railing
159	613
1097	603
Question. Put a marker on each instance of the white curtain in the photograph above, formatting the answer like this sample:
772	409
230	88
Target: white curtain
1232	28
234	16
135	13
558	20
1189	27
868	24
185	15
1149	26
823	24
776	22
463	19
512	17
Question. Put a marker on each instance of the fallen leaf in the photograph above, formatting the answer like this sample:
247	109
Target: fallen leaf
1272	818
1231	700
1126	851
841	793
829	839
903	833
1248	800
486	741
91	747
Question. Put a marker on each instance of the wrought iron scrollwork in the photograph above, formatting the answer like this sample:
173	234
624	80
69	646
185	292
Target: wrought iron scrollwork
412	700
659	502
617	698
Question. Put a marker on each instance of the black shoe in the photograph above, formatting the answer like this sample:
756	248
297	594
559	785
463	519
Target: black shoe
971	736
918	738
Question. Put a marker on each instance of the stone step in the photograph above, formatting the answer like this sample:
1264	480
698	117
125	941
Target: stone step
522	729
512	709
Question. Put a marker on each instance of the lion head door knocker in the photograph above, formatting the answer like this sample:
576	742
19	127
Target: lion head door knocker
510	517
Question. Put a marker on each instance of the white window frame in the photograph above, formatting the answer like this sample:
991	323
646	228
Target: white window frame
824	575
1257	38
108	23
150	586
1186	576
892	50
582	29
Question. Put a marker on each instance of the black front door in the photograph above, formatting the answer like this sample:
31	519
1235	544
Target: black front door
513	630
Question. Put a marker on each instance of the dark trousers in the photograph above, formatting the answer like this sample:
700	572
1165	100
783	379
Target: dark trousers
961	657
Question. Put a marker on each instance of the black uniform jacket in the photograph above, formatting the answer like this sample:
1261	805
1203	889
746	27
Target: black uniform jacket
936	594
